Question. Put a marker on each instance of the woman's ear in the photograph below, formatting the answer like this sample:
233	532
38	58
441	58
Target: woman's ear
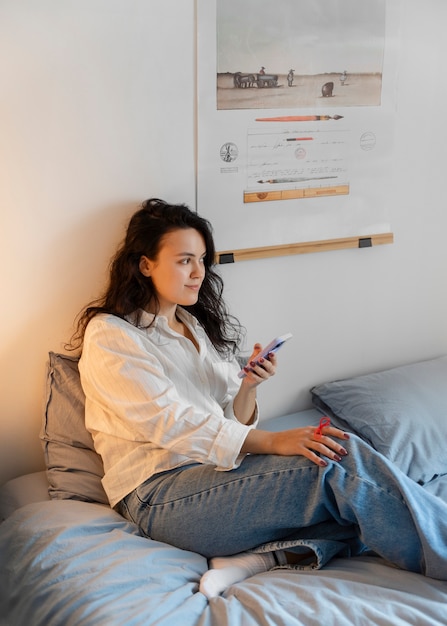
145	266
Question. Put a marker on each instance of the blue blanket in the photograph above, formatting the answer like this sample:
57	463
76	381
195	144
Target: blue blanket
69	563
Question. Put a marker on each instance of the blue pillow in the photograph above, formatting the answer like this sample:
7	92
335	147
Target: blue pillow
401	412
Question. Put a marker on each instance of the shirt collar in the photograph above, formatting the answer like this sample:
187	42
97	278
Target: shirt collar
149	321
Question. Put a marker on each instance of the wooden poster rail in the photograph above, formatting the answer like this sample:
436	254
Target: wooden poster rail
249	254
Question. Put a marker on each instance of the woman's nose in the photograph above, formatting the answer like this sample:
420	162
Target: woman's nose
198	269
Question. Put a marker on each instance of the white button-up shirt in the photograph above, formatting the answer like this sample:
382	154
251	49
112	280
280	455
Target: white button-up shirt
153	402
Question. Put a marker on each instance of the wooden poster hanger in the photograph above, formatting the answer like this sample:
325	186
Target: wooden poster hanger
249	254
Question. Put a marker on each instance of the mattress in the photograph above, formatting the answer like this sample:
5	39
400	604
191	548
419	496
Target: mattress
72	563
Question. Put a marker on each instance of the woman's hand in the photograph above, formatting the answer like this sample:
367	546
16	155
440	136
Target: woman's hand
259	371
298	441
244	404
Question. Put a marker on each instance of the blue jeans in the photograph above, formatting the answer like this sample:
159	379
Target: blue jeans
276	502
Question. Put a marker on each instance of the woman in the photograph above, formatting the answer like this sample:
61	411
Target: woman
177	429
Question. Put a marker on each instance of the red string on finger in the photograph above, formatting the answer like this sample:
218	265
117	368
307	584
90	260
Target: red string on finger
324	421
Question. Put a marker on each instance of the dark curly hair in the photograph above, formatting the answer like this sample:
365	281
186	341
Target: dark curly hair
130	292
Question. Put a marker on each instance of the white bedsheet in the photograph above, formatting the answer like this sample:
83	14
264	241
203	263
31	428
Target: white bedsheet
69	563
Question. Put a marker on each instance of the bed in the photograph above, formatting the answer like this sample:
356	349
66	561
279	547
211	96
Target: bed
67	559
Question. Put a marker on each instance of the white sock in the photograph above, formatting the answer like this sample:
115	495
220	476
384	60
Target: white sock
227	570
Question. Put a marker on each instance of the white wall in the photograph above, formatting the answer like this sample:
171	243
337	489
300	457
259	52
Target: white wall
97	114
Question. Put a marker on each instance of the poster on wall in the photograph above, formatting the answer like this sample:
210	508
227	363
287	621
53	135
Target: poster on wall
295	119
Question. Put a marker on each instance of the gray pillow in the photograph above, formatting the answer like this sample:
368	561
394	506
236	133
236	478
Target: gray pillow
401	412
74	469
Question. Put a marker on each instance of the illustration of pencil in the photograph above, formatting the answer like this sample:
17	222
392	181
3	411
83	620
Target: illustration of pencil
300	118
300	179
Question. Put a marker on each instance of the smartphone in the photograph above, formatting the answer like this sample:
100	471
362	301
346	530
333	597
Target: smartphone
273	346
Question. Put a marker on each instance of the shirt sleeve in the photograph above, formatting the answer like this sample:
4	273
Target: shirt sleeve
229	413
139	402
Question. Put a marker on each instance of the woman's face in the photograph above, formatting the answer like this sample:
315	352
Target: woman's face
178	271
